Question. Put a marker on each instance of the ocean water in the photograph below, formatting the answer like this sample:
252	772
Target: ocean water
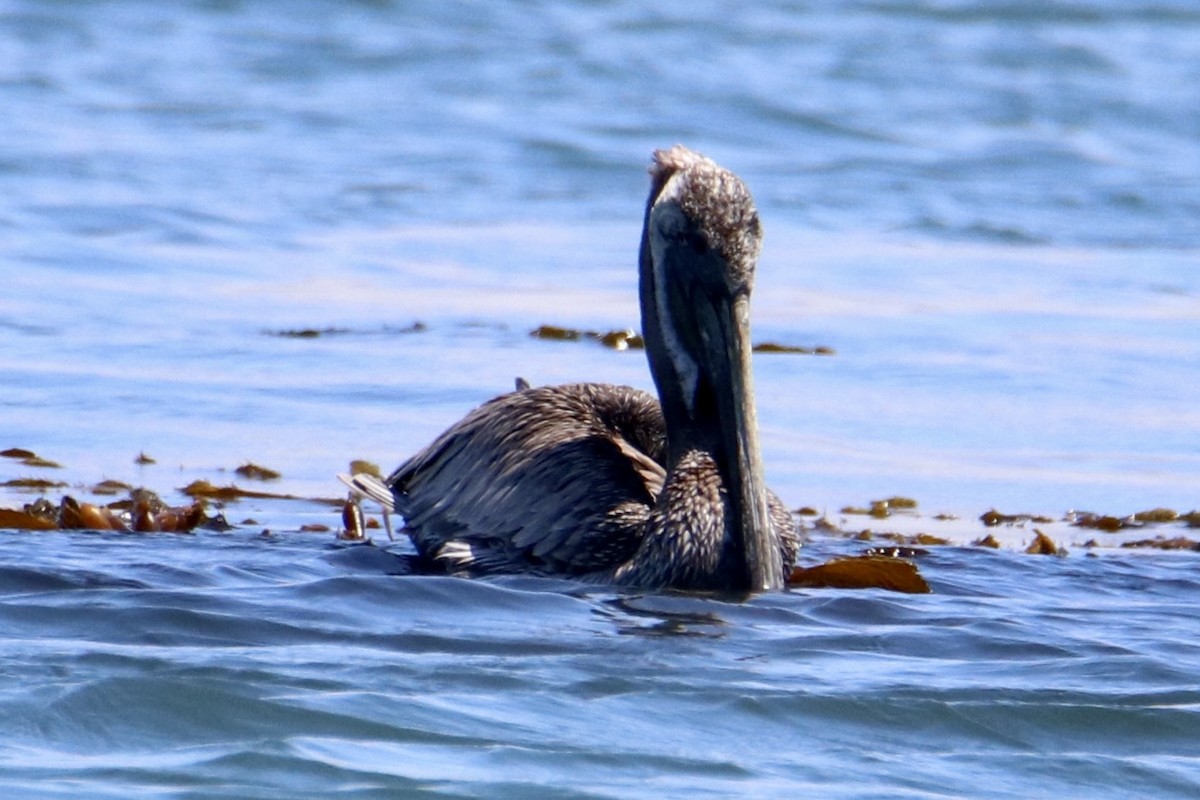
989	211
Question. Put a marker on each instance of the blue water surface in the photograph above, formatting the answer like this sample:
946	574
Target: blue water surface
990	212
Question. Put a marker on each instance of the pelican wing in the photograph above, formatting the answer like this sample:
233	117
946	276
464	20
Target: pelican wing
554	478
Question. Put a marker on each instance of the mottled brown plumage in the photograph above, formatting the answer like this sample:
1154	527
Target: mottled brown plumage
559	481
606	482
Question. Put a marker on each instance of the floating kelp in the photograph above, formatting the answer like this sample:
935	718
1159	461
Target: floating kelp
882	509
111	487
201	488
993	518
773	347
152	514
622	340
926	539
1043	545
29	458
32	484
25	521
416	327
1157	515
38	461
556	333
354	524
1101	522
897	529
307	333
314	333
73	515
141	512
1164	543
257	472
922	539
617	340
1110	523
908	528
823	525
862	572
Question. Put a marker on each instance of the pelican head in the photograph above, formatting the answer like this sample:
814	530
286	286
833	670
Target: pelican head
700	244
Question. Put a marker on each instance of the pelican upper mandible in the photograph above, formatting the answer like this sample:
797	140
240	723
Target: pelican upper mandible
606	482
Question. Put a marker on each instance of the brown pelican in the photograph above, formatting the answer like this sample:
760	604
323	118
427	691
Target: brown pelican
606	482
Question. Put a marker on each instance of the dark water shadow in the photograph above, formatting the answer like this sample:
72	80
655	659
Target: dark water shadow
655	615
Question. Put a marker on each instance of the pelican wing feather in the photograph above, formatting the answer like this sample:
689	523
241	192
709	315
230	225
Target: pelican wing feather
556	478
